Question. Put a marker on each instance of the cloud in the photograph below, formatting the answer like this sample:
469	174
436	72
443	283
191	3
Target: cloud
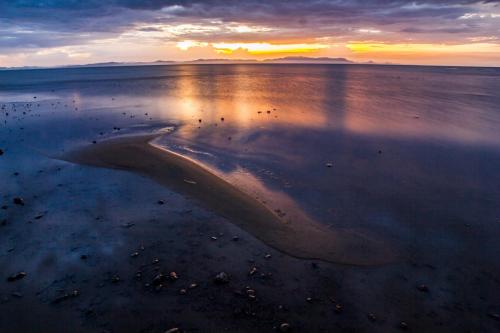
34	24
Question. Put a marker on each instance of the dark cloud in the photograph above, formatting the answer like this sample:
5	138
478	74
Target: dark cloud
30	23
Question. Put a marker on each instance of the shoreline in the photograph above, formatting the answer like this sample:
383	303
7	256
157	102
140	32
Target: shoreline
306	239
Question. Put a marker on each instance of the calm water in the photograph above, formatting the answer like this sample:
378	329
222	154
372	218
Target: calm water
415	151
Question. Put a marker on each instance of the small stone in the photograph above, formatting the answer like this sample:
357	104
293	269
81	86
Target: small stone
403	325
158	279
134	254
309	300
213	238
17	276
252	271
222	119
155	261
236	238
115	279
84	257
221	278
73	294
161	202
372	317
183	291
494	316
329	165
173	330
17	294
423	288
285	327
338	308
1	152
173	276
267	256
18	201
193	285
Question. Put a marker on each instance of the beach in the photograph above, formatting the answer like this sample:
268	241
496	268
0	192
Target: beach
329	202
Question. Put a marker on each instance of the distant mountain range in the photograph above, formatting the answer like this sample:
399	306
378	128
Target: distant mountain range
285	60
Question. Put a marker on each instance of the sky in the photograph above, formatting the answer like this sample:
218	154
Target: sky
63	32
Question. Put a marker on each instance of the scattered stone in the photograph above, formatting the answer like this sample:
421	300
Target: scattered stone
84	257
182	292
158	279
252	271
221	278
338	308
173	276
161	202
236	238
423	288
372	317
173	330
329	165
267	256
213	238
403	325
192	182
1	152
73	294
115	279
17	276
494	316
285	327
17	294
18	201
134	254
155	261
193	285
309	300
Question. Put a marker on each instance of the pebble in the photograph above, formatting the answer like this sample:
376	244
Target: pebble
252	271
18	201
173	276
161	202
135	254
285	327
236	238
403	325
329	165
173	330
338	308
372	317
221	278
183	291
267	256
158	279
423	288
17	276
115	279
73	294
1	152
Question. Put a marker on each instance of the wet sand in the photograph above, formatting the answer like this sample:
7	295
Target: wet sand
302	238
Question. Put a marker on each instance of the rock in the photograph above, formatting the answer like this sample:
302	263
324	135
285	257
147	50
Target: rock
73	294
372	317
17	276
423	288
17	294
329	165
134	254
338	308
1	152
115	279
285	327
173	276
494	316
158	279
222	119
221	278
155	261
193	285
236	238
183	291
84	257
403	325
252	271
309	299
267	256
161	202
18	201
213	238
173	330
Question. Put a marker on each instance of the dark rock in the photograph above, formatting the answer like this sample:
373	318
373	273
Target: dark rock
173	330
423	288
372	317
403	325
285	327
173	276
17	276
18	201
221	278
161	202
158	279
1	152
73	294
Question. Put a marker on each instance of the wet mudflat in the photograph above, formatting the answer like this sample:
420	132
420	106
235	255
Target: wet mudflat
87	249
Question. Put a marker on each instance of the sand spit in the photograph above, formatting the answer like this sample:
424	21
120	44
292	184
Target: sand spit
303	238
